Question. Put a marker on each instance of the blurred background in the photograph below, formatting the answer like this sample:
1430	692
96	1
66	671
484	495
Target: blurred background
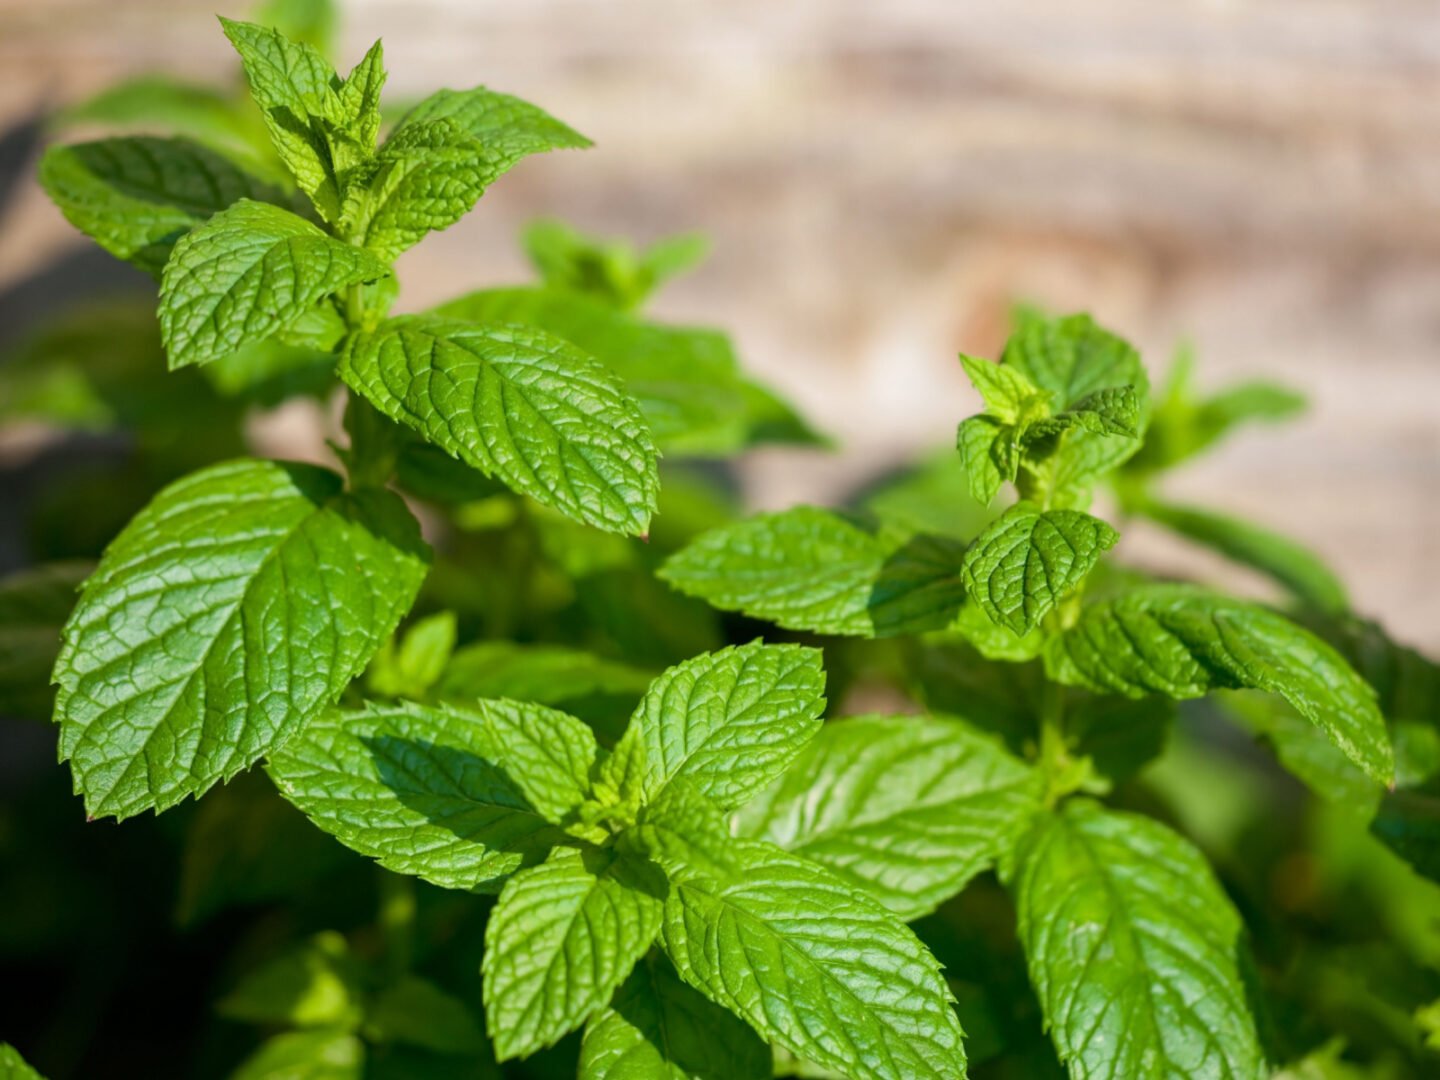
881	182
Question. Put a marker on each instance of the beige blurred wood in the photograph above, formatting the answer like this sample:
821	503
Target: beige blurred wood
881	179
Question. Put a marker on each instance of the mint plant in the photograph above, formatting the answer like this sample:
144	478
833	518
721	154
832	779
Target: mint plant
1137	956
461	778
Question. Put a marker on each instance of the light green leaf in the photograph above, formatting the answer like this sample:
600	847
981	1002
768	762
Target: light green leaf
1072	357
161	105
358	98
1182	642
34	605
1295	567
429	174
1010	396
509	128
317	984
1028	560
992	640
562	937
545	674
137	196
311	22
416	1012
908	808
811	964
727	722
987	447
519	404
1112	411
813	569
250	272
657	1028
305	1055
686	379
13	1066
410	669
224	617
1132	948
295	87
930	496
460	797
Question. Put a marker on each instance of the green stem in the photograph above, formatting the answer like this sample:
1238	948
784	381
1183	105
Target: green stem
1055	762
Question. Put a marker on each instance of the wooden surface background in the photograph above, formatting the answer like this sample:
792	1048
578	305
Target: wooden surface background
880	180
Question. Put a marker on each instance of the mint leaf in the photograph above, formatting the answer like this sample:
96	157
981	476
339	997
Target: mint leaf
1072	357
460	797
1028	560
1280	558
727	722
305	1055
358	98
519	404
249	272
611	271
416	1012
509	128
1182	642
1132	948
13	1066
430	173
657	1028
686	379
988	448
182	664
137	196
906	808
156	104
1113	411
562	937
545	674
813	965
295	87
1009	394
410	668
34	605
813	569
310	22
317	984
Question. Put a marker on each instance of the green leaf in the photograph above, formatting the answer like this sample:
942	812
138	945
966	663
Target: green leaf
317	984
250	272
545	674
1113	411
1072	357
907	808
510	129
1028	560
224	617
813	569
429	175
562	937
305	1055
1010	396
1295	567
657	1028
311	22
416	1012
295	87
727	722
137	196
159	104
460	797
13	1066
686	379
34	605
1132	948
611	271
1183	642
519	404
811	964
1408	823
987	447
413	667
